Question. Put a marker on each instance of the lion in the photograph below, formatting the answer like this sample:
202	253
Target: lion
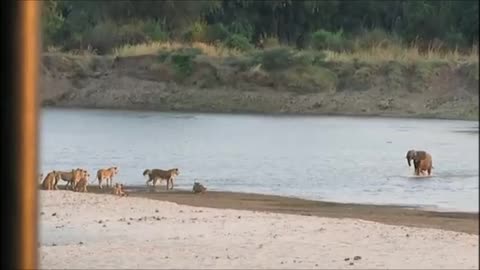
70	177
118	190
122	190
81	185
50	180
65	176
78	175
157	174
198	188
106	174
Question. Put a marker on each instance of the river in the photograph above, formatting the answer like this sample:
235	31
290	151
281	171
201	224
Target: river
341	159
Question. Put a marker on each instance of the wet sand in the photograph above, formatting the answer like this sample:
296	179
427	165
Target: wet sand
392	215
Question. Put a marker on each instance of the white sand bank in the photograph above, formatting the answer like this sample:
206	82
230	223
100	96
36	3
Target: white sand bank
81	230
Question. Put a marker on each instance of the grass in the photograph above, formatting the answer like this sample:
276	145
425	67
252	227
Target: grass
411	54
318	70
375	54
155	47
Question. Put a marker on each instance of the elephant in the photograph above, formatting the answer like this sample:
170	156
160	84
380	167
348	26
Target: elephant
422	161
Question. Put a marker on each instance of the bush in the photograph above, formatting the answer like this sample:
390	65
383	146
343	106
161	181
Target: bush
375	38
309	58
132	33
276	58
242	28
155	30
271	42
197	32
455	39
102	37
311	79
75	41
324	40
216	33
238	42
52	23
281	58
181	60
107	35
201	32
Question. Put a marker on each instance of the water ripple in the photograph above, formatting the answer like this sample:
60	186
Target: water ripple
335	158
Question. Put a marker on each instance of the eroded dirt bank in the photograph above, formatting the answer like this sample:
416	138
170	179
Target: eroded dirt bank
437	90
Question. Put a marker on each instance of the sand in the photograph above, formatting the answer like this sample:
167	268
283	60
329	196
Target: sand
388	214
86	230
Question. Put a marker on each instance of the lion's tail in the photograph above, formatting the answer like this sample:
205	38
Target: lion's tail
147	171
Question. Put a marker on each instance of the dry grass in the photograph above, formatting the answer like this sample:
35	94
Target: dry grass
85	52
155	47
375	54
411	54
53	49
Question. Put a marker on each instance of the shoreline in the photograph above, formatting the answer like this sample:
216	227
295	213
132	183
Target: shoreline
466	222
272	114
429	208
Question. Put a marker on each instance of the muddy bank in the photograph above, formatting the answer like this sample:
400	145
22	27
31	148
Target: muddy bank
392	215
205	84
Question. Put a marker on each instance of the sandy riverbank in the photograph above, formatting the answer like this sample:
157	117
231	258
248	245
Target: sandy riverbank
103	231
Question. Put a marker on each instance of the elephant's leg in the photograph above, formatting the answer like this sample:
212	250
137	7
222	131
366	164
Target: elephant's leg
416	166
422	166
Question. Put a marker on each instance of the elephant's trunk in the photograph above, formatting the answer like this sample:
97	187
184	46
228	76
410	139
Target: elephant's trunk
410	156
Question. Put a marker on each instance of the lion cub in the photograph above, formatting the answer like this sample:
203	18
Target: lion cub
81	185
118	190
198	188
77	176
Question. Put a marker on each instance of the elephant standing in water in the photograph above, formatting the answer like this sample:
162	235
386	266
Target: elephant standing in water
422	161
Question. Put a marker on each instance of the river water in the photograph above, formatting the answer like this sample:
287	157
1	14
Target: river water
341	159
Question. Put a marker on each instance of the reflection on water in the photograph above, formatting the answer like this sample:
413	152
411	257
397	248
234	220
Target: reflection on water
325	158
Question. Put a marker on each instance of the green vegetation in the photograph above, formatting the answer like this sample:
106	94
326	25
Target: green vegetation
307	46
336	25
181	60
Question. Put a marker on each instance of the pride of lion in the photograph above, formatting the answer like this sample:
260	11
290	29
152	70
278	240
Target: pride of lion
78	179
